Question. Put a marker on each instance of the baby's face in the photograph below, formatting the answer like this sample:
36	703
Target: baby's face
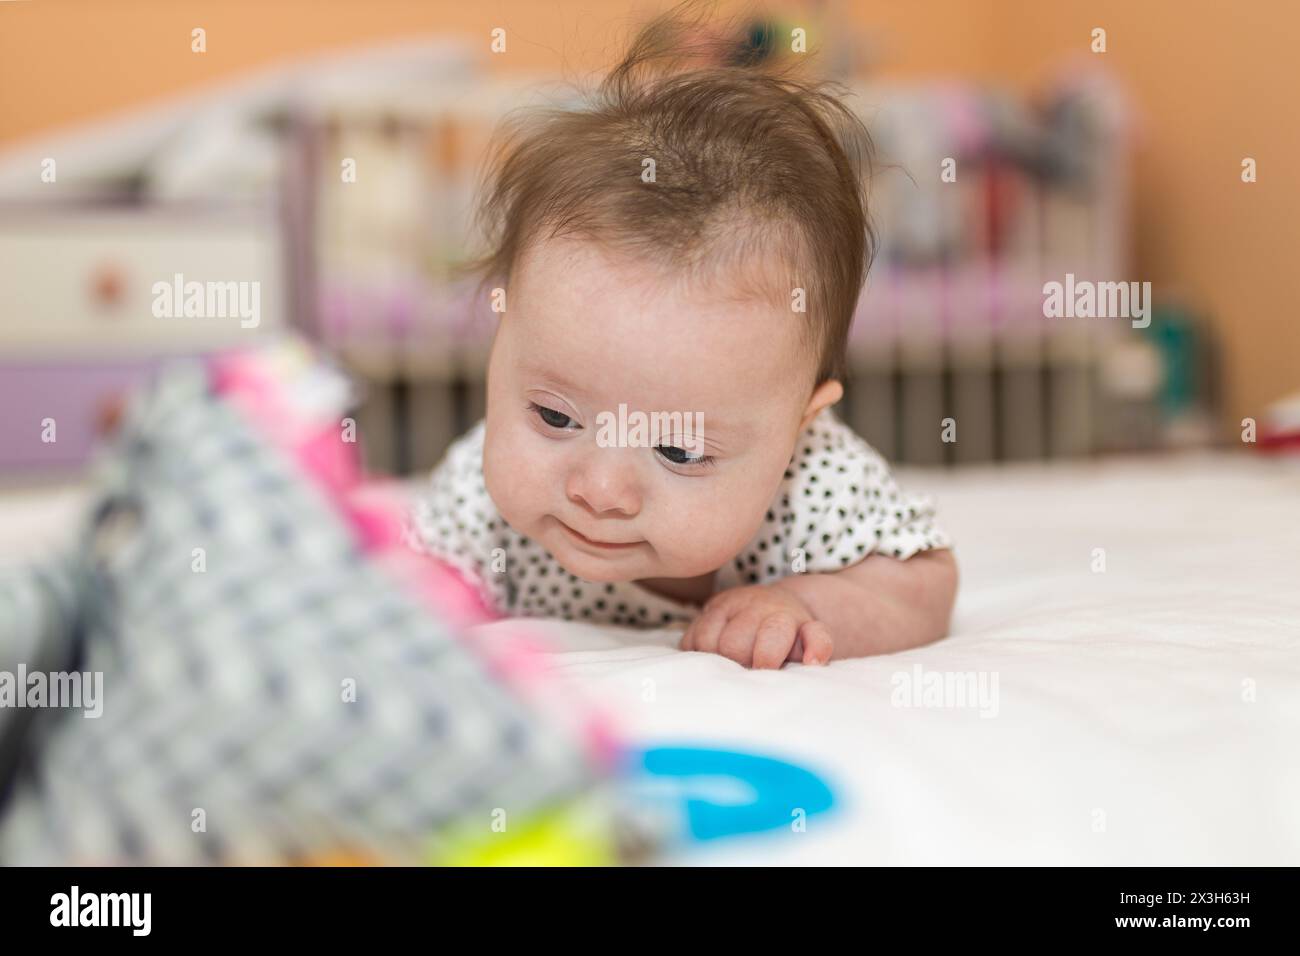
584	333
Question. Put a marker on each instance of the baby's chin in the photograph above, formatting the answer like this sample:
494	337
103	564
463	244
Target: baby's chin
638	563
622	565
595	571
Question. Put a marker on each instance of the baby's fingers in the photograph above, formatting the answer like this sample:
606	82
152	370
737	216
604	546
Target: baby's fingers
737	638
703	634
773	641
816	639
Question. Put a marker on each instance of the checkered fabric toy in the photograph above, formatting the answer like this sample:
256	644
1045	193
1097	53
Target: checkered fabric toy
283	679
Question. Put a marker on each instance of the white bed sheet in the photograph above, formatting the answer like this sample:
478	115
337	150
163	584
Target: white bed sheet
1125	731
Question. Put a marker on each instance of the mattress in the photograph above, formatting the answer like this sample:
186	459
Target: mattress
1121	684
1134	627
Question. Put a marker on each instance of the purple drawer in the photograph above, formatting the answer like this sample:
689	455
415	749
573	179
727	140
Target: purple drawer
73	393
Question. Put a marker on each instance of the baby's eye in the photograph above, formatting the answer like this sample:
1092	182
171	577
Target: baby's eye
551	416
680	456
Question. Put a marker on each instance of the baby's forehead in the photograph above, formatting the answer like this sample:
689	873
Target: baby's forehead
728	300
600	337
615	311
728	266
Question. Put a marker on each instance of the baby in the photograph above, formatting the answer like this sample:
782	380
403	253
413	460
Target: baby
688	251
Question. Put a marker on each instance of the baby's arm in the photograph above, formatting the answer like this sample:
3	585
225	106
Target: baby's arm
876	606
881	605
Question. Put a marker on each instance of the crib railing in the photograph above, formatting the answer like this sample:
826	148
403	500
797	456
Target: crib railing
945	368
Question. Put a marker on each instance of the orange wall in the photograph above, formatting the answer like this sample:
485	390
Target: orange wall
62	61
1212	82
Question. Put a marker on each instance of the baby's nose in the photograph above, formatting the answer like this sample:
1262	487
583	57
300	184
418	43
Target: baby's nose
605	481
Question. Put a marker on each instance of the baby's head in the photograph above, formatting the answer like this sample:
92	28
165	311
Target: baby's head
694	242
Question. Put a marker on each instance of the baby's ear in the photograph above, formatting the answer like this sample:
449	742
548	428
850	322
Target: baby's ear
824	395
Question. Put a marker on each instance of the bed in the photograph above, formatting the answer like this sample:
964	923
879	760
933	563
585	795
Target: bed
1147	713
1134	623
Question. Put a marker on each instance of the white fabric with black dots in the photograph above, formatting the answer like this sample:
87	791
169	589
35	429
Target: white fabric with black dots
837	504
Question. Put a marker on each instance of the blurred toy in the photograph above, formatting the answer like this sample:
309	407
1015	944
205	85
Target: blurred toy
1280	430
283	678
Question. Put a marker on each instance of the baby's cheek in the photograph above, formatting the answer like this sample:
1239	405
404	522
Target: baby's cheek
511	482
701	533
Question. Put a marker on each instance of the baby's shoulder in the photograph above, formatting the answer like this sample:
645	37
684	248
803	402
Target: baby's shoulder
452	515
831	457
836	504
462	462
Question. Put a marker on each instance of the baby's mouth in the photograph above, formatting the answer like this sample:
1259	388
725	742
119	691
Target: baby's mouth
582	539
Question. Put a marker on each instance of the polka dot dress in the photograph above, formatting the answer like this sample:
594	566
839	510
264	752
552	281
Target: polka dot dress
836	504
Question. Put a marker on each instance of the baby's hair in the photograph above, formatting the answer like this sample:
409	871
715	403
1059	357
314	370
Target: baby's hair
750	162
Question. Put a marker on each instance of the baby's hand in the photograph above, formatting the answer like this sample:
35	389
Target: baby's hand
760	626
